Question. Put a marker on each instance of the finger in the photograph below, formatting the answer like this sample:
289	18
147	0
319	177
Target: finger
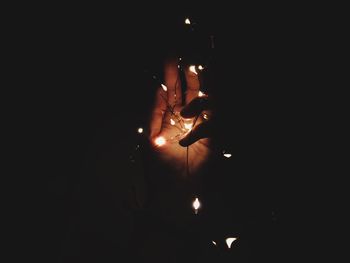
172	82
195	107
201	131
158	112
193	85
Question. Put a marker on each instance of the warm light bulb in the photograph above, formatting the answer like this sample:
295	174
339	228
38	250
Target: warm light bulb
196	204
229	241
188	126
140	130
187	21
164	87
201	94
227	155
160	141
193	69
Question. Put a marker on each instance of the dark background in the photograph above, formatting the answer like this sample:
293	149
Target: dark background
91	88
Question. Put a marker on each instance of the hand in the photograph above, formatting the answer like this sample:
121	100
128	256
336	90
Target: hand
179	132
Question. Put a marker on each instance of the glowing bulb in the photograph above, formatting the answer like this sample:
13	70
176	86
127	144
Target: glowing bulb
188	126
193	69
201	94
227	155
196	204
160	141
229	241
172	122
140	130
213	242
164	87
187	21
200	67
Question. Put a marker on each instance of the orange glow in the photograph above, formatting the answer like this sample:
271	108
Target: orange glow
160	141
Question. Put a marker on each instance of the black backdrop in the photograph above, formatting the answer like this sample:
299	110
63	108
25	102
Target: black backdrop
91	90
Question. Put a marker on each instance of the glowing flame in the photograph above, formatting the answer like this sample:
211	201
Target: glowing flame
193	69
213	242
201	94
187	21
196	204
229	241
200	67
172	122
160	141
140	130
164	87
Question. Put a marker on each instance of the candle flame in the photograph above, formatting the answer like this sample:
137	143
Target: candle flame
196	204
187	21
164	87
200	67
140	130
229	241
193	69
213	242
205	116
172	122
160	141
201	94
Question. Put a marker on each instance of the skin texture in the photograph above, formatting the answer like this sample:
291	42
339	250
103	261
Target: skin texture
171	119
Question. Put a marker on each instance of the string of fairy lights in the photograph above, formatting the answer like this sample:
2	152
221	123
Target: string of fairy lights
185	126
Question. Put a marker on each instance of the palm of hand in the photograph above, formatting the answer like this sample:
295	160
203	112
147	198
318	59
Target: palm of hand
168	126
